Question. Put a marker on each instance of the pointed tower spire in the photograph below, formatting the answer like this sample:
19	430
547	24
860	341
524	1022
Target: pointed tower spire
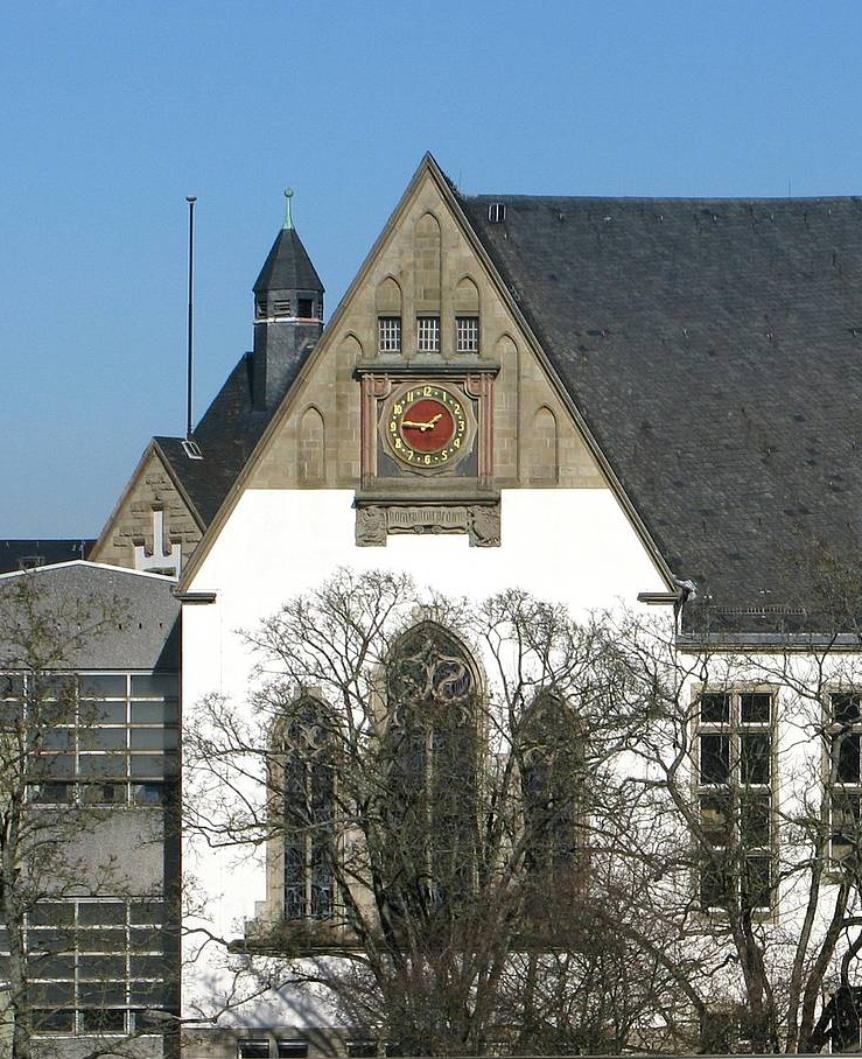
288	312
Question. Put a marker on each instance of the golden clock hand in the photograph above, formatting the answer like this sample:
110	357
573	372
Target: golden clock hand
418	426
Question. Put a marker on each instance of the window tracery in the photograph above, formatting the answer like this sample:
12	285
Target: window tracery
432	747
307	775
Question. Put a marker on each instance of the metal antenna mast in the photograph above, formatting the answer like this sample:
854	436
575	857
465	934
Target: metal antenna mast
191	200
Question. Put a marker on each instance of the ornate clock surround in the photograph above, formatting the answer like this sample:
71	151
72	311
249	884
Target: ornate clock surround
426	451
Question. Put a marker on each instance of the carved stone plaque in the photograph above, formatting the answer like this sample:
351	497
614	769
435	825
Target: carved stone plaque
374	522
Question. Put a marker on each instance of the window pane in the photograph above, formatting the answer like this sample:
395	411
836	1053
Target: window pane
52	914
53	1021
756	707
154	738
100	968
92	712
714	708
147	912
111	766
847	746
714	758
155	712
716	818
715	886
755	821
102	941
155	685
148	793
51	793
58	739
756	881
103	1020
101	913
103	685
102	793
48	966
102	994
754	764
102	739
150	967
254	1049
147	765
291	1049
845	708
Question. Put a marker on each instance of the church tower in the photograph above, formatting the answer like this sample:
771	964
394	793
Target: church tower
288	313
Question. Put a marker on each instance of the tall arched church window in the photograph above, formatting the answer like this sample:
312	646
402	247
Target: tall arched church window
552	778
306	763
432	746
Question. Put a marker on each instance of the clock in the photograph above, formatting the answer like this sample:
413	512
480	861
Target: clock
426	426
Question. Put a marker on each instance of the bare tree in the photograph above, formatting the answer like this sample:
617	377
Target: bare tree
429	777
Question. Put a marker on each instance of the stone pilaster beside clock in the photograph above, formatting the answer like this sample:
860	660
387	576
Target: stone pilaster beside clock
427	453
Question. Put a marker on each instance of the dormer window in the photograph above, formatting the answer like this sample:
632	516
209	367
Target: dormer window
428	334
306	309
281	308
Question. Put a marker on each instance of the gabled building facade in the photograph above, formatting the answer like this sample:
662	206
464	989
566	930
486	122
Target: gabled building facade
595	400
601	402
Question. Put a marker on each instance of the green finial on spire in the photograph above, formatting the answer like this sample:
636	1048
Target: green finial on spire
288	217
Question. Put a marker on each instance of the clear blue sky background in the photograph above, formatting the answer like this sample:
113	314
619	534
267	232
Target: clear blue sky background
112	111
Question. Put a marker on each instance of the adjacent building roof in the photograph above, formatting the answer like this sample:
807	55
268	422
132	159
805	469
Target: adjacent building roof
714	349
100	617
27	554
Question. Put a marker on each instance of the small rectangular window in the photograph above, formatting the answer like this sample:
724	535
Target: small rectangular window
253	1049
281	308
467	334
291	1049
306	309
497	212
389	334
428	334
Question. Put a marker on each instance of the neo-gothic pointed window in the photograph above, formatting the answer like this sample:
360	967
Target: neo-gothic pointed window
305	761
552	778
432	752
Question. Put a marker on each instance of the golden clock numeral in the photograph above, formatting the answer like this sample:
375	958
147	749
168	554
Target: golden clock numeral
398	409
426	390
427	459
457	443
393	426
398	444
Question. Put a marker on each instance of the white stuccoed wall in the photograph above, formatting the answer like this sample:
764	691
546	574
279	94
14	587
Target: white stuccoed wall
571	546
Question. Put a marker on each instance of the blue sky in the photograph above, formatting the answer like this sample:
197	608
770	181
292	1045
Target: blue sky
112	111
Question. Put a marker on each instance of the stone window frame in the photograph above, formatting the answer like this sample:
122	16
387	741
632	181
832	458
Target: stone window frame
467	333
282	757
729	823
428	333
839	734
389	334
478	695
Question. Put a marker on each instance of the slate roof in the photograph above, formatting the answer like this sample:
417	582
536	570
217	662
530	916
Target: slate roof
714	349
226	435
288	266
16	554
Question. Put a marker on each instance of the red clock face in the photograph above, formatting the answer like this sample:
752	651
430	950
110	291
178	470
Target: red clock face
427	425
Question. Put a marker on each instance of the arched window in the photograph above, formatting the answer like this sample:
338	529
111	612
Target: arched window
307	791
552	780
432	748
